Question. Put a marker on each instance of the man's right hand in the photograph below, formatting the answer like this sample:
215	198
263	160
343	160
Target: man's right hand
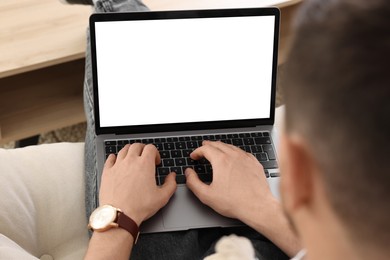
239	185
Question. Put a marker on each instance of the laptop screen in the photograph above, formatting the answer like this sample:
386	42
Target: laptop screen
189	70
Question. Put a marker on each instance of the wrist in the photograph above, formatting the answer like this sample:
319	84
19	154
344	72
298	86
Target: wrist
262	214
113	244
134	215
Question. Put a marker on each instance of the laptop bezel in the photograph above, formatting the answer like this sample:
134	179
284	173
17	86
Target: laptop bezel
188	14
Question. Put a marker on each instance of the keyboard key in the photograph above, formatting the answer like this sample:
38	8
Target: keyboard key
176	154
227	141
249	141
186	153
180	162
237	142
266	173
275	174
200	169
177	170
159	146
163	171
168	162
256	149
169	146
180	179
262	140
209	168
256	134
231	136
205	177
270	164
191	162
165	154
192	144
196	138
149	141
270	151
184	138
123	142
247	148
265	134
119	147
110	149
261	157
110	143
180	145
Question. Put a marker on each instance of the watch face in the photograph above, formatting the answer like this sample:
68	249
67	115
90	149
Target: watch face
102	217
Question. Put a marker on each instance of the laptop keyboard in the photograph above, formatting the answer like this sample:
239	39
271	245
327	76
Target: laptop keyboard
175	153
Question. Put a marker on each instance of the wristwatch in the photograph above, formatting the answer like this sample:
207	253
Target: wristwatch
105	217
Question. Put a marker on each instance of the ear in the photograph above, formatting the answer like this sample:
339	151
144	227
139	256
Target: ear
297	172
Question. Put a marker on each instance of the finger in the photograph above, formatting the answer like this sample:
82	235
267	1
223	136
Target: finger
208	151
223	146
123	152
110	161
150	151
201	190
135	149
168	188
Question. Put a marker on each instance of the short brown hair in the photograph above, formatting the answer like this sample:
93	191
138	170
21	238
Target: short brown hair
337	92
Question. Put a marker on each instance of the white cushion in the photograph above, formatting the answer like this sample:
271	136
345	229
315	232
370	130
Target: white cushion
42	208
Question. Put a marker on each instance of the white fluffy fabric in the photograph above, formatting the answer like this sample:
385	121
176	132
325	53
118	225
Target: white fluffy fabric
42	205
233	248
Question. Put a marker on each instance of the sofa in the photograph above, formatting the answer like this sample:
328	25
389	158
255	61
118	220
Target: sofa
42	209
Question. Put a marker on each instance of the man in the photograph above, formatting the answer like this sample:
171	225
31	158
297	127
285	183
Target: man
186	244
335	178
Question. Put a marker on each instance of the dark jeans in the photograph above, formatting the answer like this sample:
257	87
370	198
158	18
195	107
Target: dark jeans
191	244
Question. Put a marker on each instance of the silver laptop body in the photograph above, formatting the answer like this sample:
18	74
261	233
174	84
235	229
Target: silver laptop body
182	74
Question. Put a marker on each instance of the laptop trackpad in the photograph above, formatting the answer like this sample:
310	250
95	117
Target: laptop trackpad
185	211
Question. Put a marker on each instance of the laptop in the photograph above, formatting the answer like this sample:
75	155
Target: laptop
175	78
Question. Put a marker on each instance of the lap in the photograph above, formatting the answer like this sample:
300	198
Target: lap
197	244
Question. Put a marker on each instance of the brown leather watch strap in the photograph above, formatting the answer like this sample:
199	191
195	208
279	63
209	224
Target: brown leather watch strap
128	224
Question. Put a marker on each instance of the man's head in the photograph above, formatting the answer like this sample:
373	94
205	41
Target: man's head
337	94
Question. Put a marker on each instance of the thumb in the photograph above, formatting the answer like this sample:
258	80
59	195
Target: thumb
169	187
197	186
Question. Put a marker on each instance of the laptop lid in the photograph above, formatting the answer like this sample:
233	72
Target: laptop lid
184	70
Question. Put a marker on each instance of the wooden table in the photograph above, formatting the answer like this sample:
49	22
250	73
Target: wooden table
42	48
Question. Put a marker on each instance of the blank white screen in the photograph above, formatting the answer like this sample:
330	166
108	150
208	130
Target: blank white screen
184	70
